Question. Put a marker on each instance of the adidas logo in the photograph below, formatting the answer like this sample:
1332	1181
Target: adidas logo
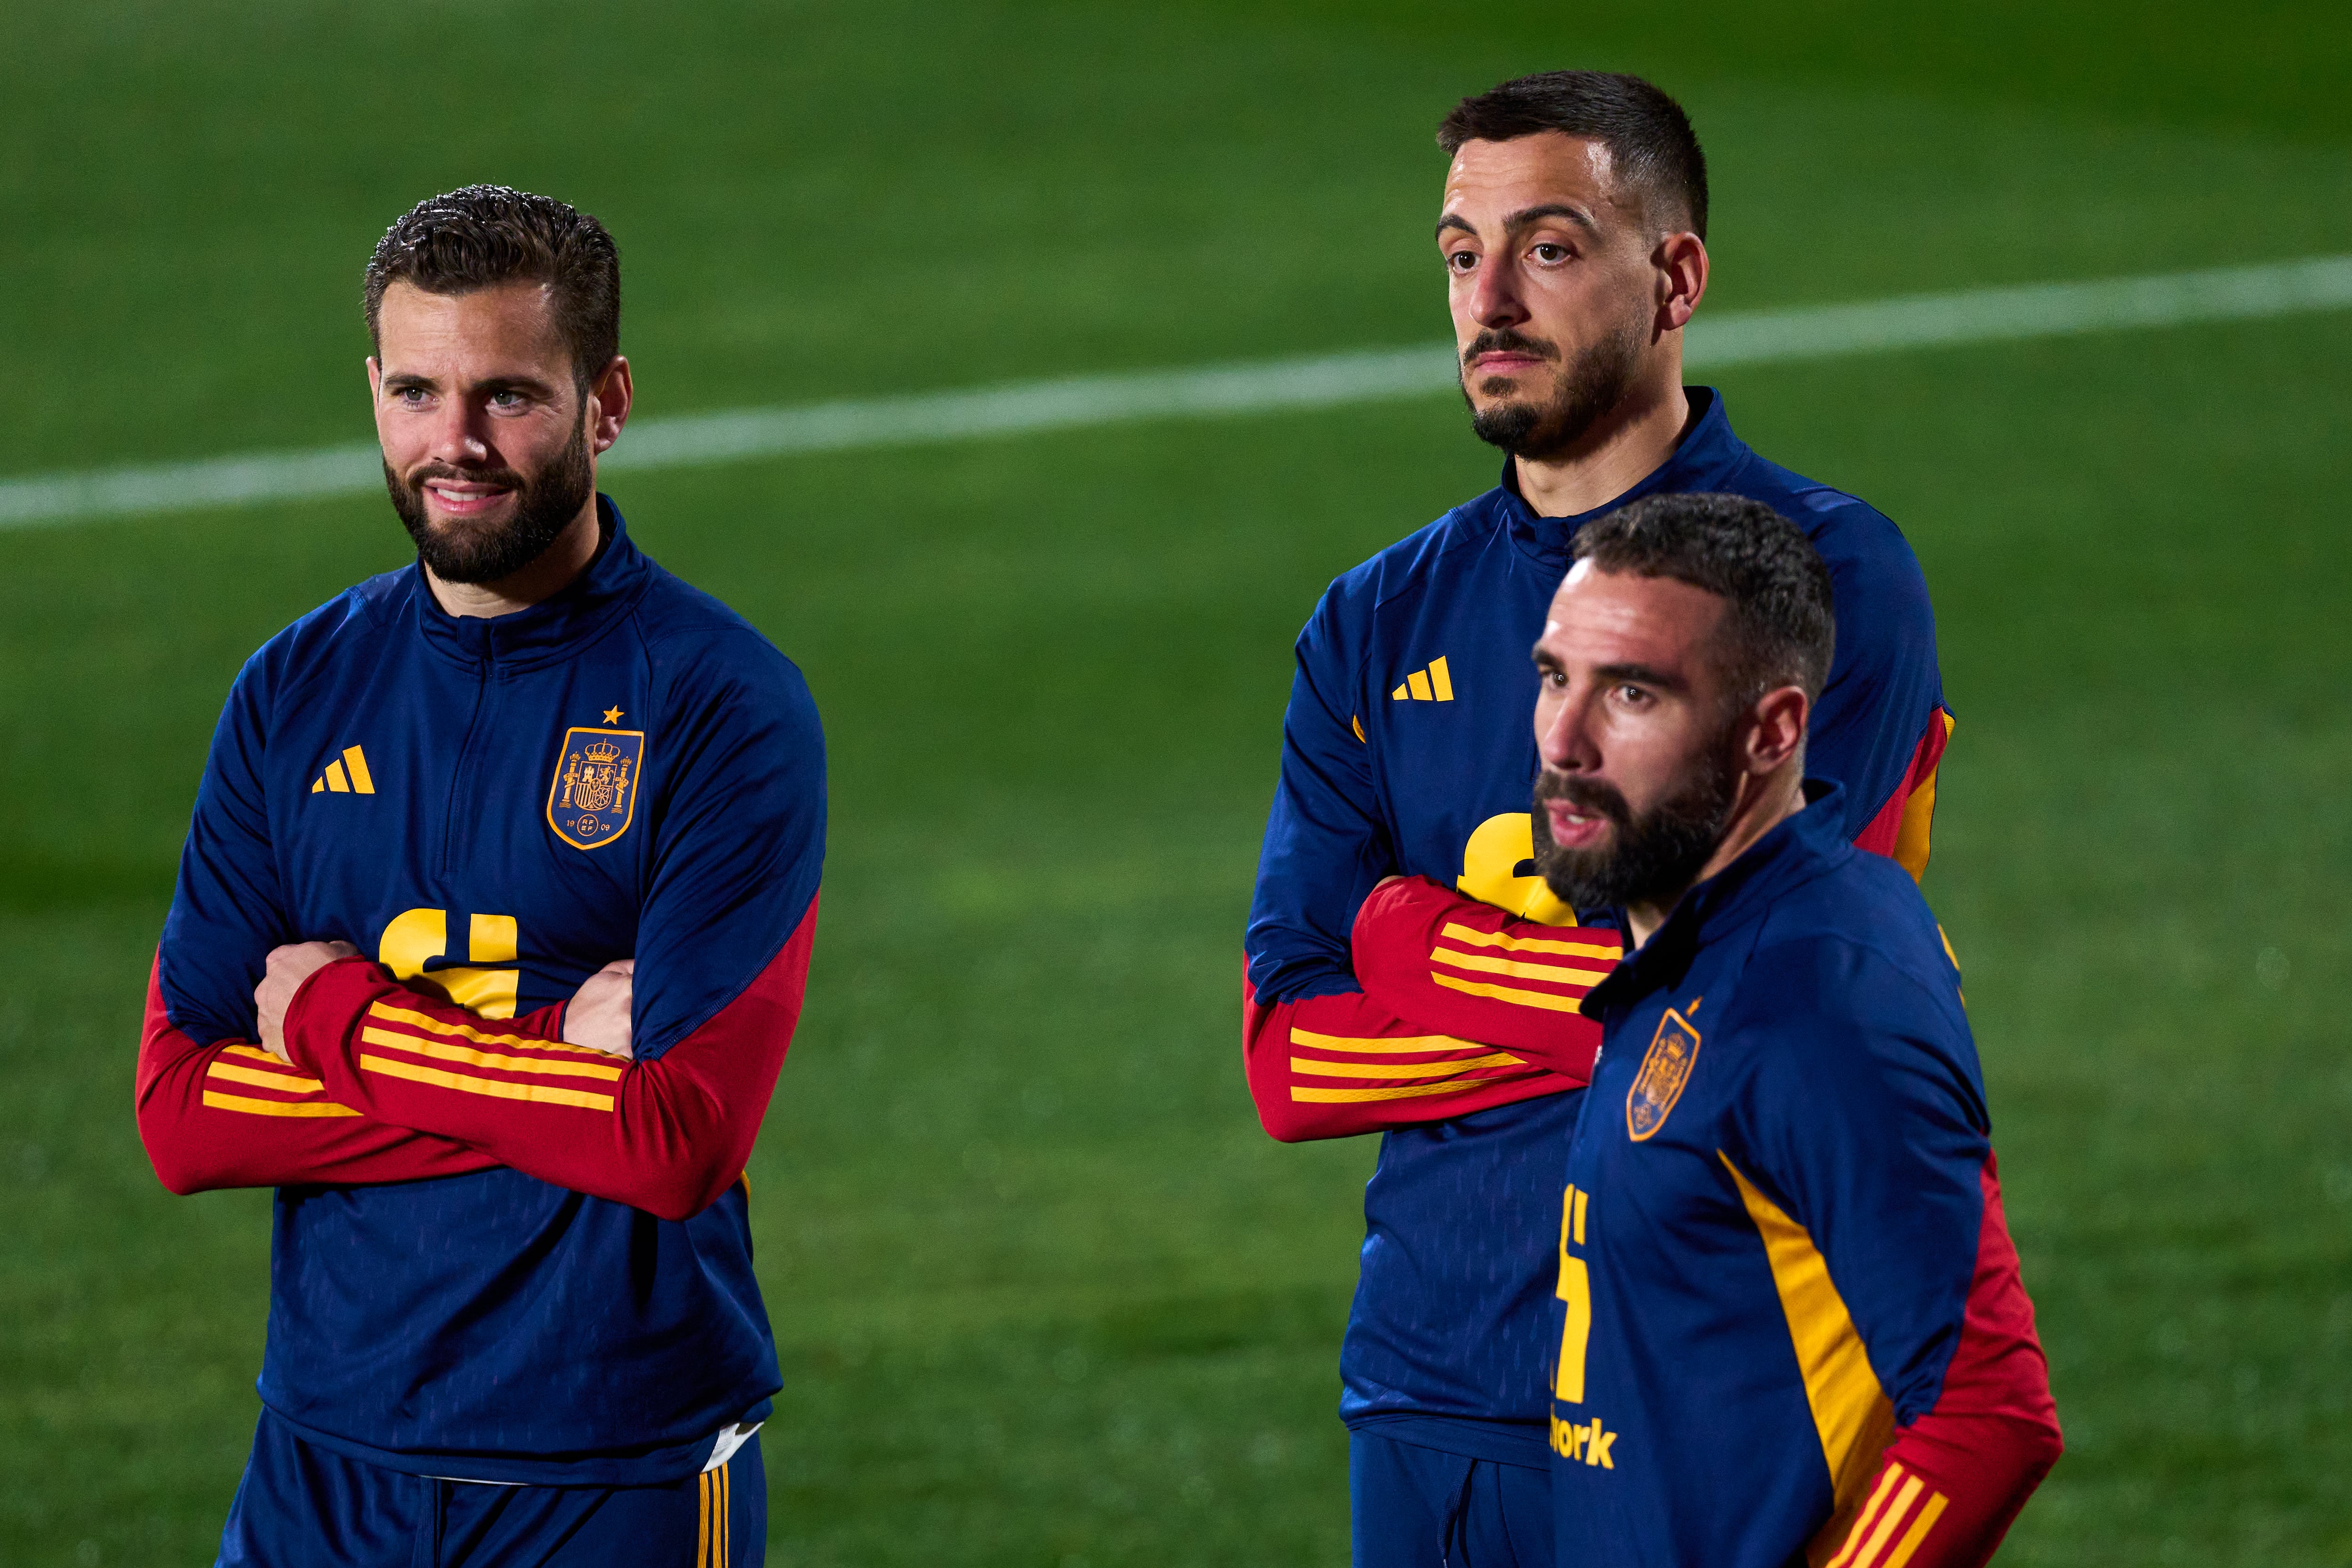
347	774
1431	685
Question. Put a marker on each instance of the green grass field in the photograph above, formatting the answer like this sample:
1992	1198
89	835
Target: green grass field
1045	1294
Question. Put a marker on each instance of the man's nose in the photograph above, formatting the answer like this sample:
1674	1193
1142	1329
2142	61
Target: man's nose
458	435
1495	297
1564	740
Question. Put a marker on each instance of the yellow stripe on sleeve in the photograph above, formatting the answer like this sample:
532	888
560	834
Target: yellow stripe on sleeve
1452	1067
1453	931
702	1520
538	1093
280	1080
1850	1412
1919	1530
1557	973
1508	994
374	1036
1392	1046
1849	1533
276	1107
1397	1091
393	1014
1884	1528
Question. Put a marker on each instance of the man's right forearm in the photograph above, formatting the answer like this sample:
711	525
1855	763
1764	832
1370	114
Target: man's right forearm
1455	966
230	1114
1337	1066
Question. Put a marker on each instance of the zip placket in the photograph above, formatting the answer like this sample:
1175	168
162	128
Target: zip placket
485	668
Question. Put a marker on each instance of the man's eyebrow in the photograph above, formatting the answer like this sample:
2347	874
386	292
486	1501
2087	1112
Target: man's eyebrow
1573	213
1451	221
1644	675
407	378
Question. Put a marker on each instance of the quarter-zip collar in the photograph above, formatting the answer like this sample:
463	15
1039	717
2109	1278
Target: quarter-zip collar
1705	461
614	579
1807	845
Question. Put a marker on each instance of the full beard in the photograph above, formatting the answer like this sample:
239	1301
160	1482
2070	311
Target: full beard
545	504
1582	392
1647	859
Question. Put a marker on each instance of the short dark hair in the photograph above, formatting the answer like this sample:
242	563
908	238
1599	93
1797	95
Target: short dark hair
482	236
1652	147
1778	625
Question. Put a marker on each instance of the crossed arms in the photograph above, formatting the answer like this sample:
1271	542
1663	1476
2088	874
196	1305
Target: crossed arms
357	1080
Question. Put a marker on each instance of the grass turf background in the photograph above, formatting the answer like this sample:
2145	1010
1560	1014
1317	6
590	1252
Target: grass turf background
1044	1293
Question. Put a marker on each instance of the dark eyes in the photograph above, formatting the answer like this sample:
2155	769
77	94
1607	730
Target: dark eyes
1547	254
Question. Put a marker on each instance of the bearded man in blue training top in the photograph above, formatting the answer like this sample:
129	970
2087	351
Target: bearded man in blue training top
489	937
1790	1326
1408	972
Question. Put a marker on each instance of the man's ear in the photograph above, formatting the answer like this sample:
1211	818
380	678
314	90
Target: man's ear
609	396
1776	729
1681	261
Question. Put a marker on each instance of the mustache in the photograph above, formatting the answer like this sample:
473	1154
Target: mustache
1587	794
1502	340
507	478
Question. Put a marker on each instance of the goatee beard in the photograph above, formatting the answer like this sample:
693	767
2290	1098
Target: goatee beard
1584	390
1649	859
545	504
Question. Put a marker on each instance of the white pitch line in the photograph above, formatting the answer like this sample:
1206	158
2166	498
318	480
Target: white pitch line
1758	337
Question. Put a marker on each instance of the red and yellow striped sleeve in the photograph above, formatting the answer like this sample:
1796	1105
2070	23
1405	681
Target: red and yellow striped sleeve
666	1134
1333	1067
230	1114
1949	1484
1459	967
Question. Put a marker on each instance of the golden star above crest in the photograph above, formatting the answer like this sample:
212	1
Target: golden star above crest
612	715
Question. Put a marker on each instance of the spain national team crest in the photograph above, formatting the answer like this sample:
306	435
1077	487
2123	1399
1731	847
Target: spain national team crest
594	795
1665	1068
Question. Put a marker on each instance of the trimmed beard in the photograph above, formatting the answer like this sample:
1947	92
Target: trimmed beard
1583	392
1648	859
545	504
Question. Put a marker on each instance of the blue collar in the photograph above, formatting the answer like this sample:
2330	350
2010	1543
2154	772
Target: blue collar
552	629
1705	461
1808	845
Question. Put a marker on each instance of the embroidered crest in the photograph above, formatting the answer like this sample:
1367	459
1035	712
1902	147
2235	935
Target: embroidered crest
595	794
1665	1068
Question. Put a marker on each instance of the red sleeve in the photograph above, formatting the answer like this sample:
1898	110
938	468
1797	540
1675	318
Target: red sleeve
1901	829
231	1115
1332	1067
666	1135
1952	1481
1462	968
